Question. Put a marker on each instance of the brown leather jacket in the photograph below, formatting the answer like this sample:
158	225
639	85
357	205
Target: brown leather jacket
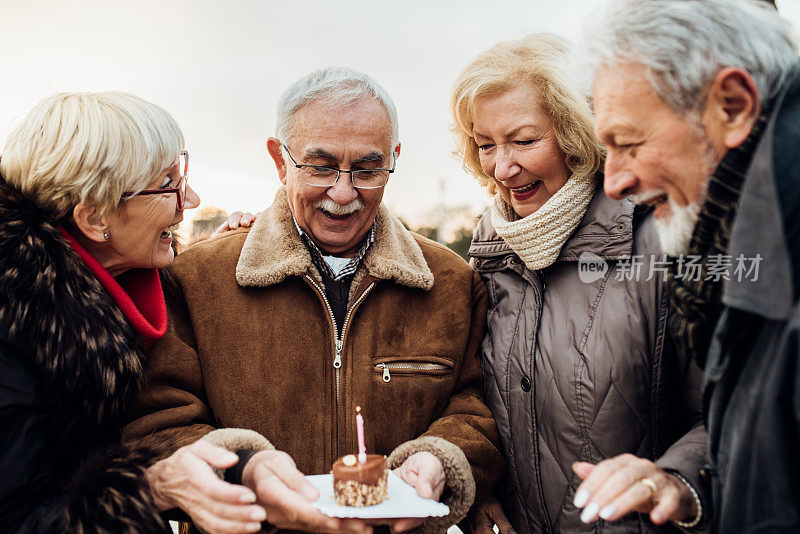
251	344
579	369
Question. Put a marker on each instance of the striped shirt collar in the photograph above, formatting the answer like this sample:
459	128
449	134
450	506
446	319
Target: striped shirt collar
322	265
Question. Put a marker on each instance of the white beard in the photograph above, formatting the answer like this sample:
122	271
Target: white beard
675	230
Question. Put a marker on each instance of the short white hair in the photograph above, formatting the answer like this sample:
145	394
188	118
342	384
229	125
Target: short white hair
337	88
684	43
73	148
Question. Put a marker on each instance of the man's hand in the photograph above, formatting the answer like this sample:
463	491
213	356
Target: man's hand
186	480
424	471
235	220
488	514
286	496
624	484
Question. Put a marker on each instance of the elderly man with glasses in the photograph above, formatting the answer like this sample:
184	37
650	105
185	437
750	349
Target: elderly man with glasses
278	332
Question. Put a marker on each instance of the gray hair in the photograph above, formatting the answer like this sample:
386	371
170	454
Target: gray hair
683	44
337	87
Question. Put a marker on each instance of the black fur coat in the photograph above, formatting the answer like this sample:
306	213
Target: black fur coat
69	365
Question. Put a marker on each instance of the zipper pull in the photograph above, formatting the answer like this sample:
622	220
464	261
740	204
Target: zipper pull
337	360
386	375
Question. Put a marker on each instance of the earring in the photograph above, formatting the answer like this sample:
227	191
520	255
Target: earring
106	236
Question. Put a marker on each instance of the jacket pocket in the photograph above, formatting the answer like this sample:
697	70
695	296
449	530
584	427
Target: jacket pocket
389	368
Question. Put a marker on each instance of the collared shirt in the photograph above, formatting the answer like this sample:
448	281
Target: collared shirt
319	258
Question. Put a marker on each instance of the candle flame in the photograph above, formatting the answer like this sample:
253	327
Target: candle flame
358	409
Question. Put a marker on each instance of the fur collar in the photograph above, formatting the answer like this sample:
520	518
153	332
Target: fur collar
63	321
273	251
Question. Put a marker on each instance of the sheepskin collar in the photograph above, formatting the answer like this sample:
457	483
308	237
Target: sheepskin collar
57	313
273	251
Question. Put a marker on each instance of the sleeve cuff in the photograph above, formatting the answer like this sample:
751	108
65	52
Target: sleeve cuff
245	443
234	474
458	479
686	526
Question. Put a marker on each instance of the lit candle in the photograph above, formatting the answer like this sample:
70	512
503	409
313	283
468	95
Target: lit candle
362	449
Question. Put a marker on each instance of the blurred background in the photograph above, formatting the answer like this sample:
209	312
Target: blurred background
219	68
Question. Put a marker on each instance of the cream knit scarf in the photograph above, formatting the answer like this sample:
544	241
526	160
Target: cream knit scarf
537	239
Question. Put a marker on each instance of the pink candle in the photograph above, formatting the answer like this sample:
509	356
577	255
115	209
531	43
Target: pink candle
362	449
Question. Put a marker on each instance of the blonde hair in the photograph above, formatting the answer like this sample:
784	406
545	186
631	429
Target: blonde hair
540	59
91	148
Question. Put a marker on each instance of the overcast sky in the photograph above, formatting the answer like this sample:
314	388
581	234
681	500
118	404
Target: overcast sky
219	68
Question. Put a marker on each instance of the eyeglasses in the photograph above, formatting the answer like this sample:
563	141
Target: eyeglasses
180	189
321	176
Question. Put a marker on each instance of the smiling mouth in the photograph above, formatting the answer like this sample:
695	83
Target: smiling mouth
336	217
650	199
167	234
527	191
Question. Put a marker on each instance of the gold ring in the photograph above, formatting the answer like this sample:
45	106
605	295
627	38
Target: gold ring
650	485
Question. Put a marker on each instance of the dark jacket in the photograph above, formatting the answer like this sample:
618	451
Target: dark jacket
752	387
407	354
577	368
69	364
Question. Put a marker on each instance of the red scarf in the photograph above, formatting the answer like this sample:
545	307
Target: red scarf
136	292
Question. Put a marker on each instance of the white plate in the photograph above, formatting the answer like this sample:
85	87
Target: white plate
402	501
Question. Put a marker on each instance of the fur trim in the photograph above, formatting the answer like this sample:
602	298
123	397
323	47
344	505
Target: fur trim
51	304
273	251
237	439
458	474
109	493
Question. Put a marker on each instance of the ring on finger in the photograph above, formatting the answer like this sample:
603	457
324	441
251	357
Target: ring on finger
650	485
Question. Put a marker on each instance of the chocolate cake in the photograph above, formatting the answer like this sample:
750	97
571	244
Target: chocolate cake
360	484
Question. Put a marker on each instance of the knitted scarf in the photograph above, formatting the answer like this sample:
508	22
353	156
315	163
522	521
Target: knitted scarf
537	239
695	301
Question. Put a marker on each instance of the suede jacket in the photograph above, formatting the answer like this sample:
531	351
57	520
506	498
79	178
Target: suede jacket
577	367
252	345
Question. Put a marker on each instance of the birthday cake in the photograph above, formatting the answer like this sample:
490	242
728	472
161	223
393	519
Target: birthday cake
360	483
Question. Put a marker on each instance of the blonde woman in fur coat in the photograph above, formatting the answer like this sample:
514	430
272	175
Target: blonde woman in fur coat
92	186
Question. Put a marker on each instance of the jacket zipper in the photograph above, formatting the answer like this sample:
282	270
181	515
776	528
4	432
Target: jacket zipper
338	341
408	366
539	295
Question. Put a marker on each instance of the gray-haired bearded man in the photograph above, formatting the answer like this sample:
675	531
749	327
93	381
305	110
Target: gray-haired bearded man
698	102
328	302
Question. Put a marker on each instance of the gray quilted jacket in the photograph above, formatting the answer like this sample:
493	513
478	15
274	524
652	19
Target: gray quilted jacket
580	370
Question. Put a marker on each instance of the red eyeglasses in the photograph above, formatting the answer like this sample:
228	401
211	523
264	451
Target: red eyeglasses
180	190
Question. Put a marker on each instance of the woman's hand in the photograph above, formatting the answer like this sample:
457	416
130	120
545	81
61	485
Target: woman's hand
235	220
488	514
186	480
424	471
624	484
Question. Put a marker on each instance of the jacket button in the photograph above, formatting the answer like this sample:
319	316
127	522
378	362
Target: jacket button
526	384
707	472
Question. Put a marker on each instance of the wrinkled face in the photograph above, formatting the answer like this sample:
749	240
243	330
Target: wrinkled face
518	149
141	228
659	158
337	218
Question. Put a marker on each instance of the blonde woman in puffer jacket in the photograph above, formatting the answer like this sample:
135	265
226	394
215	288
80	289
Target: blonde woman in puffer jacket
577	368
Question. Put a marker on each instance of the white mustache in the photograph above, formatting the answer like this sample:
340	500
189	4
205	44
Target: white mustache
337	209
642	198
